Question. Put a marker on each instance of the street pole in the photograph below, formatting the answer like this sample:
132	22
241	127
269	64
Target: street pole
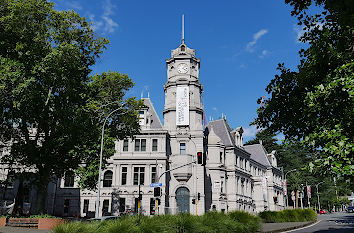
318	196
287	201
100	168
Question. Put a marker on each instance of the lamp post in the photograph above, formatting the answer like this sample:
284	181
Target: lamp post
318	196
100	168
287	186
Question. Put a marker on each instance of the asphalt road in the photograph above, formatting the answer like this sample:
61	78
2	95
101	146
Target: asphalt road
336	222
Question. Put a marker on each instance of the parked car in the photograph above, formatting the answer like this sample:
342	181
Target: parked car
323	212
350	209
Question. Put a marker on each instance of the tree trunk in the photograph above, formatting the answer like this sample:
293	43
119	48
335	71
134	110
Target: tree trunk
18	207
42	192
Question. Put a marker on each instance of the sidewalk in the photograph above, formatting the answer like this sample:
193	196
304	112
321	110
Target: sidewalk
282	226
21	230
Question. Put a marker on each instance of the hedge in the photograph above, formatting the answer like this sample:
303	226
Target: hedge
297	215
237	221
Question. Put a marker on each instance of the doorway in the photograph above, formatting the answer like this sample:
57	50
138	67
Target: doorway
182	199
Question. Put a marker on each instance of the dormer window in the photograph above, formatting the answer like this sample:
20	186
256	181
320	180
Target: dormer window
183	48
141	118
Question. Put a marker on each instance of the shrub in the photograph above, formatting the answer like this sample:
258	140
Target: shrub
297	215
210	222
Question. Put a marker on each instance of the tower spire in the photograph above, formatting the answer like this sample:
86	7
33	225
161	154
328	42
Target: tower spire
182	28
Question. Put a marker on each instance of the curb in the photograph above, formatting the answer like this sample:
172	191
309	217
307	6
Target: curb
289	228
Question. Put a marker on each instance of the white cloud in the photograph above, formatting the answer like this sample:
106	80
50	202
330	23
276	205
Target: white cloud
263	54
215	109
299	30
250	131
110	24
74	5
250	45
106	22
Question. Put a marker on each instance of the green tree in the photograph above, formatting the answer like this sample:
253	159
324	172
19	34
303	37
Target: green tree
267	139
315	104
51	108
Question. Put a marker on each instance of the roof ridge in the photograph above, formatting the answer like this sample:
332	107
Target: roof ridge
153	108
228	133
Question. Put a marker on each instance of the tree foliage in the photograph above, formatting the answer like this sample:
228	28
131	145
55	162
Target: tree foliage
52	109
315	103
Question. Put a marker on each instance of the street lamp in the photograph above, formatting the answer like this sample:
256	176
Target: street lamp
100	168
287	196
318	196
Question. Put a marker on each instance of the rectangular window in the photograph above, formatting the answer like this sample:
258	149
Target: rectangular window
86	206
153	175
143	144
139	173
220	157
124	175
105	207
140	144
121	205
69	179
154	144
137	144
125	145
182	148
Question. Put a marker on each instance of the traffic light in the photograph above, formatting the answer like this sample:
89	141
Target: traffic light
140	197
200	157
275	198
157	192
193	201
198	196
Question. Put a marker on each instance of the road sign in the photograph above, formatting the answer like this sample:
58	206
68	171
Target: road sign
156	185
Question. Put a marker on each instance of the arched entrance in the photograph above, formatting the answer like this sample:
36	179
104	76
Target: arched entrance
182	199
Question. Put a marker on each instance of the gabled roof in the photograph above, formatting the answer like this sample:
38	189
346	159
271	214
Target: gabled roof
223	131
156	123
258	154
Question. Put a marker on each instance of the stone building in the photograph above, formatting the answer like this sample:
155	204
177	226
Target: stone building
234	176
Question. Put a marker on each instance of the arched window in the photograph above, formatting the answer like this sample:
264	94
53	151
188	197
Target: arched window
69	179
107	179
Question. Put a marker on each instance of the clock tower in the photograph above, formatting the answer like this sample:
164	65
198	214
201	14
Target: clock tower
183	118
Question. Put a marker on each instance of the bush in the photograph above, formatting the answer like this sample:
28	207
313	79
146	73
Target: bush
210	222
297	215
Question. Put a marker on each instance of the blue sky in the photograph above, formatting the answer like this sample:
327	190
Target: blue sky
239	43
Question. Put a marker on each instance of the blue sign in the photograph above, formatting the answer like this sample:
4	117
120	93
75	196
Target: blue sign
155	184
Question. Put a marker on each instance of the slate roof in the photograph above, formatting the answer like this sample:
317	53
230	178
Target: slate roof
156	123
223	131
258	154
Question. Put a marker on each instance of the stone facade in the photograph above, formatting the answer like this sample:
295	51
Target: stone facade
234	176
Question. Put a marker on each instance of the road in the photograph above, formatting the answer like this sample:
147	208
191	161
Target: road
336	222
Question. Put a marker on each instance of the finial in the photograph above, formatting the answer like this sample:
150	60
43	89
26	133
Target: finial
182	28
141	95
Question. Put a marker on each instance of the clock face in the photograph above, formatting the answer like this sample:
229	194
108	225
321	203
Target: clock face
182	68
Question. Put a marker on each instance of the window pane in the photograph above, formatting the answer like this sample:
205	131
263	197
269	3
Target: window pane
69	179
182	148
143	144
135	182
124	175
153	175
86	206
142	176
125	145
107	179
154	144
137	144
